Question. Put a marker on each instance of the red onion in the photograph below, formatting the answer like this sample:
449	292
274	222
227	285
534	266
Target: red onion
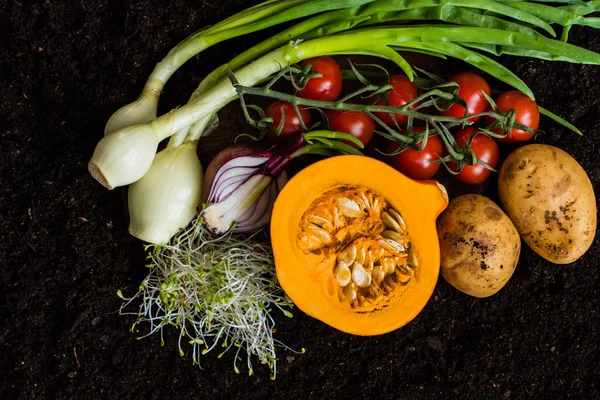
241	184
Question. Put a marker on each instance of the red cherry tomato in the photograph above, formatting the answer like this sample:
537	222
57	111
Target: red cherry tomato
356	123
417	164
291	124
527	113
403	91
486	150
470	87
327	87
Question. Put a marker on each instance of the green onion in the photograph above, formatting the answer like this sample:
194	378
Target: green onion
378	12
586	8
559	120
256	18
124	157
480	61
451	14
346	15
167	197
516	51
556	15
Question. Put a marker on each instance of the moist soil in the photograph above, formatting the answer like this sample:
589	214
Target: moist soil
65	249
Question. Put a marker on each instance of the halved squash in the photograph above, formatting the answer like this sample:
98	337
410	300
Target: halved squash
355	243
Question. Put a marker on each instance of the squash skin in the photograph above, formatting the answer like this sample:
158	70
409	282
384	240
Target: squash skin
313	289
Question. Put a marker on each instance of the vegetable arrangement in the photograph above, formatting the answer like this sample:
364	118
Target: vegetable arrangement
353	239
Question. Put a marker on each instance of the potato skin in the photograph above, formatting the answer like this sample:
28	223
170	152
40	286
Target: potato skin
550	199
479	245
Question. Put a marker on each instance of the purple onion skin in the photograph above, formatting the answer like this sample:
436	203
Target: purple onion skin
279	158
237	150
274	189
288	145
272	164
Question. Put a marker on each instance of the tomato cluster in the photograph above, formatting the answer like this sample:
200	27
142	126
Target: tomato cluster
477	152
326	87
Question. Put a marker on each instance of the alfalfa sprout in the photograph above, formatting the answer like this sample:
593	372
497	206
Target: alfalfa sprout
219	291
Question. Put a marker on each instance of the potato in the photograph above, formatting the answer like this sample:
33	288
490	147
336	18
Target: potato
550	199
479	245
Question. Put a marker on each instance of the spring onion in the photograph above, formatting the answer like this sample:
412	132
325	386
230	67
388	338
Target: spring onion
125	156
167	197
261	16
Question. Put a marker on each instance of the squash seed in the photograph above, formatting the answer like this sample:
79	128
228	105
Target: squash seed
360	276
412	258
350	292
321	222
317	237
402	277
343	274
396	237
398	218
361	255
377	205
378	274
391	245
365	200
349	208
388	266
390	222
348	255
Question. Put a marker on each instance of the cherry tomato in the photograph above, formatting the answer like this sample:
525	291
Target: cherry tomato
527	113
356	123
470	87
291	123
403	91
485	149
327	87
417	164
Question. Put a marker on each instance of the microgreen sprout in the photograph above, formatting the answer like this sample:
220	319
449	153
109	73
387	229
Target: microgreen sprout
218	291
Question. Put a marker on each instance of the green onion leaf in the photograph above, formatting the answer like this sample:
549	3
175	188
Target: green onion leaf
560	120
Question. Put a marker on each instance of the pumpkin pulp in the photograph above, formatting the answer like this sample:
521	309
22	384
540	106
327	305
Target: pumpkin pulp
365	239
355	243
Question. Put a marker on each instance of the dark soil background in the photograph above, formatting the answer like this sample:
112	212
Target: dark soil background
65	250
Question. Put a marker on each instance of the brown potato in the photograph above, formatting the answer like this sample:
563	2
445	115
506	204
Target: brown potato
479	245
550	199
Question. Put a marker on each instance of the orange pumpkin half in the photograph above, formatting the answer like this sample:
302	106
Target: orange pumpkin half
355	243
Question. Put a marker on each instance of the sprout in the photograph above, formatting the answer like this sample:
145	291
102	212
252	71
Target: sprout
218	291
